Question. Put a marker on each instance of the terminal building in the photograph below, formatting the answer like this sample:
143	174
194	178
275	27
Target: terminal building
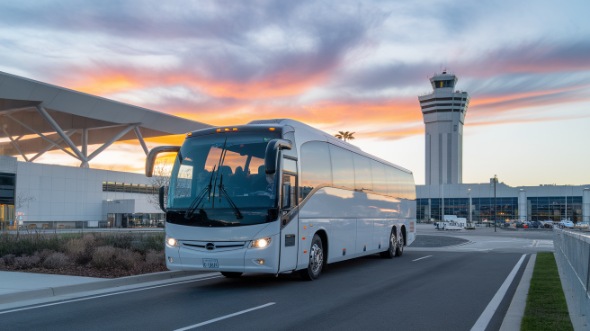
444	193
36	118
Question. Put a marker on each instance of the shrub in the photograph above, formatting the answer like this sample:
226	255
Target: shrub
104	257
8	259
154	258
44	254
128	260
56	260
81	249
26	262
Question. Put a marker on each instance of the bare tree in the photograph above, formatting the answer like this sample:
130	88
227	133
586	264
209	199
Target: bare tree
23	200
160	177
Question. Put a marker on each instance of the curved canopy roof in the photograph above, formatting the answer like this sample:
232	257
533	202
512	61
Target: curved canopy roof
36	117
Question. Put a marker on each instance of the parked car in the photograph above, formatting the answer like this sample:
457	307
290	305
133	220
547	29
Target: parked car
535	224
566	224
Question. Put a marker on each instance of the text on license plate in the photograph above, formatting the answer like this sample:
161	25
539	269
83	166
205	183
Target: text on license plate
210	264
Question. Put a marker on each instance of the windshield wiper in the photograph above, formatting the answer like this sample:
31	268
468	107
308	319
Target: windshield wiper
223	192
195	204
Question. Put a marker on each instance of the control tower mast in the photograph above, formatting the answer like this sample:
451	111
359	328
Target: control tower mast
444	114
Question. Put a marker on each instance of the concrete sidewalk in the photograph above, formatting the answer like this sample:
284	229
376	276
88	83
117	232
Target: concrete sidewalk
21	286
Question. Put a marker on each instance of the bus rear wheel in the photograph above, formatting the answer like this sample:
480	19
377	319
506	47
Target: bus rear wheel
392	249
399	249
231	274
316	260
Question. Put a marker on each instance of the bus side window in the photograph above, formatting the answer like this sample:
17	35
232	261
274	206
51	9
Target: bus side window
289	183
289	192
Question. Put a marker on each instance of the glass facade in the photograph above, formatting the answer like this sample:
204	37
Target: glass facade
555	208
539	208
482	208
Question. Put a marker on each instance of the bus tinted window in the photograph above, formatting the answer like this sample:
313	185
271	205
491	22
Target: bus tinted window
379	177
316	169
342	167
362	173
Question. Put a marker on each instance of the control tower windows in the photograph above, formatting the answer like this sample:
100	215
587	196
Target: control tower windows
445	83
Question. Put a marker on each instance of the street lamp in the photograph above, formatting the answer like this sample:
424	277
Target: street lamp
494	181
469	192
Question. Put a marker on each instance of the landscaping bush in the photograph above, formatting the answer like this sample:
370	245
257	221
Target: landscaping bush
56	260
90	254
81	249
26	262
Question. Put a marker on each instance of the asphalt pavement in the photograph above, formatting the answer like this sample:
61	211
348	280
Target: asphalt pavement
18	288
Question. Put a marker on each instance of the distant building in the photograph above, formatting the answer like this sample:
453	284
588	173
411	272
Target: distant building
444	192
444	114
525	203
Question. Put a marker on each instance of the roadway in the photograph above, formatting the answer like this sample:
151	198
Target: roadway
432	287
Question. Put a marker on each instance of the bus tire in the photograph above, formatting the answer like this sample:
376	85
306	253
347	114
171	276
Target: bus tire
316	260
231	274
392	248
399	248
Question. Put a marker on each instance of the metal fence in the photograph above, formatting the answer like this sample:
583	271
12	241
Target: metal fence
572	253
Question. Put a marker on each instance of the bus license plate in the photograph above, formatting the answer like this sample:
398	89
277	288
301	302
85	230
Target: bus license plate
210	264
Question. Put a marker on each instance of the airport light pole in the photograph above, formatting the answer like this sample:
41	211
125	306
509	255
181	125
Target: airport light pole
469	192
494	181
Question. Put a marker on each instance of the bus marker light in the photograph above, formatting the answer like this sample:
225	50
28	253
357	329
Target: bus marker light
302	238
170	259
305	252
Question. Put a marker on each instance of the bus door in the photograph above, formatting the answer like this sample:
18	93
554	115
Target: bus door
289	216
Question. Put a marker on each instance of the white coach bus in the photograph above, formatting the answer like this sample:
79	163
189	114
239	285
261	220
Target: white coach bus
277	196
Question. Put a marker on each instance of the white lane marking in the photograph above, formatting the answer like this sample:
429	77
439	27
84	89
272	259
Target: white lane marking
224	317
90	297
485	317
422	258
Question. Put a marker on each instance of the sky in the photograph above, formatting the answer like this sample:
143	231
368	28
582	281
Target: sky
337	65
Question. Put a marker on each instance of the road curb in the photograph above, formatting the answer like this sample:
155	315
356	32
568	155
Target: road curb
92	286
515	312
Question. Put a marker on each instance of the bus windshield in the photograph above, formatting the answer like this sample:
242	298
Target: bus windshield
219	180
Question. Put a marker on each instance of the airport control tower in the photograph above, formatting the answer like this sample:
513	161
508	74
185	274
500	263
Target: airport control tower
444	114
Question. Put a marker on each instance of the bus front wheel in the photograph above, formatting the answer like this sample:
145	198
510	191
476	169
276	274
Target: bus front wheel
316	260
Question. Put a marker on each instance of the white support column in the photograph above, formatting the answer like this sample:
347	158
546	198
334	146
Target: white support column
586	205
85	142
522	206
62	134
53	143
110	142
141	141
14	144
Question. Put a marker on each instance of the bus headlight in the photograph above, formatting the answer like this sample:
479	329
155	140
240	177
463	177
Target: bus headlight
260	243
171	242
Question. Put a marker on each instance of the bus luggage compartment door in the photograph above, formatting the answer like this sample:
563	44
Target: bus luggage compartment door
289	243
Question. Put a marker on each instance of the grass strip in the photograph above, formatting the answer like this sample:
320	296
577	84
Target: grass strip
546	308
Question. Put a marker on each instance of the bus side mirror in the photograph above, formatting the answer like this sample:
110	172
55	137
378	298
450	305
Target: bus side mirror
150	160
161	195
270	155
